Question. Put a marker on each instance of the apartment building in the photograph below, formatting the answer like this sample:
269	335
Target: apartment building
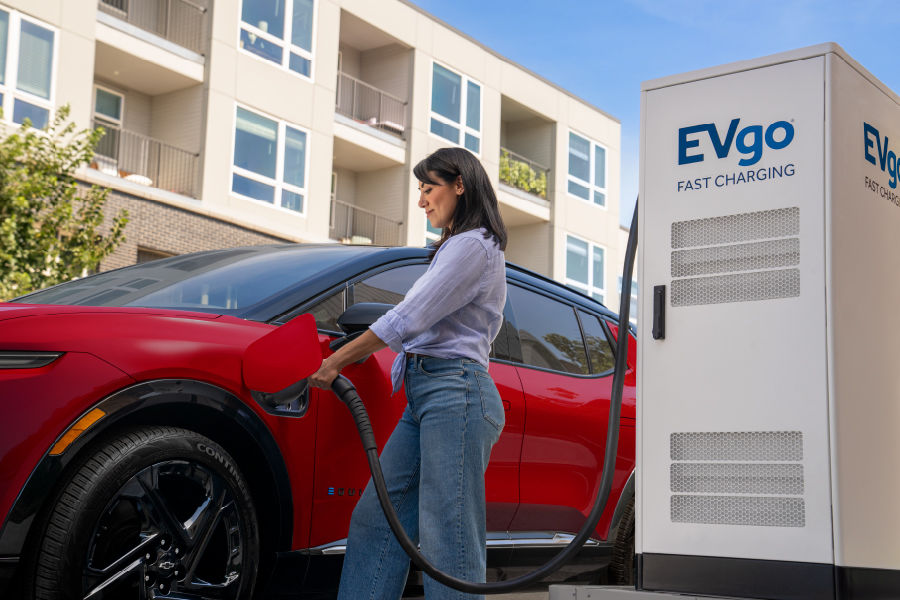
235	122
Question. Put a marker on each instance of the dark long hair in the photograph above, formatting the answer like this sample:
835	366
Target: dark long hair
477	206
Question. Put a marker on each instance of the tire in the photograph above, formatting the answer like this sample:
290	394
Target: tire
621	567
153	511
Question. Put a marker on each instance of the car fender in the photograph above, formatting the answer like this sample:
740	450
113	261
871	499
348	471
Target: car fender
138	404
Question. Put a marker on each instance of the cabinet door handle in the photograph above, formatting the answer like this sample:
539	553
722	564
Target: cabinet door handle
659	312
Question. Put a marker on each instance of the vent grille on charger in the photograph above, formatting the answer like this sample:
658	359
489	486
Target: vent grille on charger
766	489
753	261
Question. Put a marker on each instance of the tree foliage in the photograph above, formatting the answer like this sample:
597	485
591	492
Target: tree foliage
50	226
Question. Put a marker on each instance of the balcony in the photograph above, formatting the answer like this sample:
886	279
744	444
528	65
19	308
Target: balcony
351	224
151	46
522	173
146	161
374	83
526	146
179	21
367	104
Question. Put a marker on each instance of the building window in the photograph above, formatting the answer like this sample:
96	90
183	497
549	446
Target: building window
109	107
587	169
585	267
456	108
27	68
280	31
269	160
632	311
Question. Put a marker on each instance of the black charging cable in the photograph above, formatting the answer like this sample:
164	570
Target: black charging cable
348	395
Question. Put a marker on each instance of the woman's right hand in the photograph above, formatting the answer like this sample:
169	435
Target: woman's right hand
331	367
325	376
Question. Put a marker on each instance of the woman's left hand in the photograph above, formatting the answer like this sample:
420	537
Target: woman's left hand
325	376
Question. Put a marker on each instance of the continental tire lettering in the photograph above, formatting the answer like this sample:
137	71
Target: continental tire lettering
214	453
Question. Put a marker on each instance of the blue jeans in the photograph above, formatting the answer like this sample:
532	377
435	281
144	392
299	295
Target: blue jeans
434	465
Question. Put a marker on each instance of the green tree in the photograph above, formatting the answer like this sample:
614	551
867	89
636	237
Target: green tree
50	226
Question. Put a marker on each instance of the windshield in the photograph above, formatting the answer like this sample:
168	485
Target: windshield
221	281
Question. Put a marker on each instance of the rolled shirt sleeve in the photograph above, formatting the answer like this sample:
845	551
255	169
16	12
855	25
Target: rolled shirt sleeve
453	280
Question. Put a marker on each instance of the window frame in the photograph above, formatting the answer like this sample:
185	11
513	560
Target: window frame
9	89
278	183
284	43
463	110
579	286
590	185
102	117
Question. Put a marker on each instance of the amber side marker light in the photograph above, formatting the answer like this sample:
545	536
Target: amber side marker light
76	430
27	360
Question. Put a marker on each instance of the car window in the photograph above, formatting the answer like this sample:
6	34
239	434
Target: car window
327	311
548	332
389	286
599	349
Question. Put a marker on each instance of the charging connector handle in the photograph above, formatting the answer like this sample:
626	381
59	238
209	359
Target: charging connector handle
348	395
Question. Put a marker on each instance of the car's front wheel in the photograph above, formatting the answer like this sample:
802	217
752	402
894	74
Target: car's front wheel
154	512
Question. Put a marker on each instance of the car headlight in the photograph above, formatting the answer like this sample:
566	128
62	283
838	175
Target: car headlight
27	360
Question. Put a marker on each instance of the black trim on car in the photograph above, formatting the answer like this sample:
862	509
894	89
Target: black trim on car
174	402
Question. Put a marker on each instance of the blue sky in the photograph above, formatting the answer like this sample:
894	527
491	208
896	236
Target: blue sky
601	50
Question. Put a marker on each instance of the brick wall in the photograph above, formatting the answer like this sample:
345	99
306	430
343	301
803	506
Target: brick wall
164	228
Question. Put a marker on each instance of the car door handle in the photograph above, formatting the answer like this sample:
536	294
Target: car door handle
507	405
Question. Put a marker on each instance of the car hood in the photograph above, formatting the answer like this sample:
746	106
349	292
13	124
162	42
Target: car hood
144	343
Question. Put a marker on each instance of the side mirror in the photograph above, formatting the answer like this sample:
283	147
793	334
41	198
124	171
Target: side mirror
357	319
275	366
360	317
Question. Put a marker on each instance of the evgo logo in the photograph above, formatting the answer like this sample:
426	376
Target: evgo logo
750	141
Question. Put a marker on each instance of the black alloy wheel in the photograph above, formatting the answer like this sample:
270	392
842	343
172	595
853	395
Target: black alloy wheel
157	512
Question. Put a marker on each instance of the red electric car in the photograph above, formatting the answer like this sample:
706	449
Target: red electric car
136	463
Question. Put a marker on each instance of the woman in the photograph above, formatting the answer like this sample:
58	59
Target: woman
435	459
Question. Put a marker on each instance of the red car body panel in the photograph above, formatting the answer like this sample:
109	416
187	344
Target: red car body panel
560	463
66	388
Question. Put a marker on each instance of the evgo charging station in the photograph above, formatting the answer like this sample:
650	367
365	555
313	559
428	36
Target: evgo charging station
768	448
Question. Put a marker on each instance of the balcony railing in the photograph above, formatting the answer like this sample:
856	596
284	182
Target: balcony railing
147	161
353	225
367	104
179	21
522	173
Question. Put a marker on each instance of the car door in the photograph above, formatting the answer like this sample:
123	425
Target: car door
340	464
566	374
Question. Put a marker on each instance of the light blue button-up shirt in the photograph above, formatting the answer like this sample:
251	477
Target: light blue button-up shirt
454	310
